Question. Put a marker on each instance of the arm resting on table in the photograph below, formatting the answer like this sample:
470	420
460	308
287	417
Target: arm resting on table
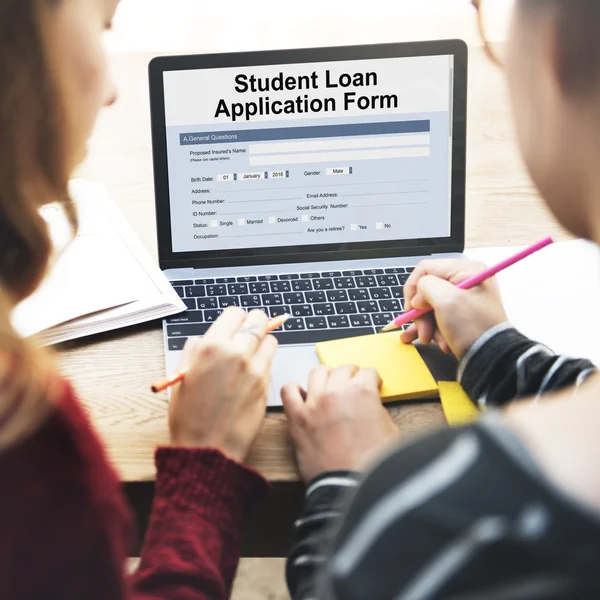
192	545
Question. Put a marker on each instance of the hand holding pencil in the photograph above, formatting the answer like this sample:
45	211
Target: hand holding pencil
162	384
222	401
459	316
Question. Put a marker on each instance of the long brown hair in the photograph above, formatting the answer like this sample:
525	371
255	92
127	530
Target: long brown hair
33	171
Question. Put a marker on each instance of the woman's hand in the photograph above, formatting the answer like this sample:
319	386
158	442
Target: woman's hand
460	317
222	400
340	423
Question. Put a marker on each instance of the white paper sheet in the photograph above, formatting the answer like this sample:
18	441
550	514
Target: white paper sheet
103	279
91	274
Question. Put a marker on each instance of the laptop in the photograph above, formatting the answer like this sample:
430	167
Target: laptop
308	182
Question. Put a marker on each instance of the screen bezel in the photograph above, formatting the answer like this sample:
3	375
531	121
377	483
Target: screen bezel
310	253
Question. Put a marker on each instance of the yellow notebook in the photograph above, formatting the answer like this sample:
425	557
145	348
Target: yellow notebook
458	407
404	373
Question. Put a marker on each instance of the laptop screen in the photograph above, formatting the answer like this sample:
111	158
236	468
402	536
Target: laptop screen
309	154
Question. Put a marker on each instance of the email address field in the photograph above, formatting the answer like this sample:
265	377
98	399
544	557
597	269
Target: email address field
380	141
347	155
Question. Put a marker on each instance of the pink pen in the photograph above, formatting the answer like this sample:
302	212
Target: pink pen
413	314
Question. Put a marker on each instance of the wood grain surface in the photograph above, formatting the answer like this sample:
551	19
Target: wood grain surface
112	372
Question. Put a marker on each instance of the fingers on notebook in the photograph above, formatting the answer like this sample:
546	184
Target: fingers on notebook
409	335
341	375
370	377
413	333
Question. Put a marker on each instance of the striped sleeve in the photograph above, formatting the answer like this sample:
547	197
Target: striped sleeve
323	507
424	500
504	365
456	515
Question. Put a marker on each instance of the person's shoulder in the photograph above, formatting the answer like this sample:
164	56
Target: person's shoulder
423	448
432	456
561	435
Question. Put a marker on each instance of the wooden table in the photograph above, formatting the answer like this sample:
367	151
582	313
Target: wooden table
112	371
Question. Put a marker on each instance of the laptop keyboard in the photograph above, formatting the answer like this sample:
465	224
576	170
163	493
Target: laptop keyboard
323	305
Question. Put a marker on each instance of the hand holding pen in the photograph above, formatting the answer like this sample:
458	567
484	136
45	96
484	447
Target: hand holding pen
221	402
162	384
461	316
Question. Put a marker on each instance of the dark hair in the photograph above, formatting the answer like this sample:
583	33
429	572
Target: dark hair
578	34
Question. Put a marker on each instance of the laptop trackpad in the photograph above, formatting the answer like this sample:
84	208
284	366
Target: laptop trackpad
291	364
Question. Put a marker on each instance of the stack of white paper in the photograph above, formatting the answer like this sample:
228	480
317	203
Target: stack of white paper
104	279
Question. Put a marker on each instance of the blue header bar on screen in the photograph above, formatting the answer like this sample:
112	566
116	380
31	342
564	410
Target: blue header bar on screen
297	133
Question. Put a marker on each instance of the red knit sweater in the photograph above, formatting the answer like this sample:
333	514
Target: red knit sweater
65	529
